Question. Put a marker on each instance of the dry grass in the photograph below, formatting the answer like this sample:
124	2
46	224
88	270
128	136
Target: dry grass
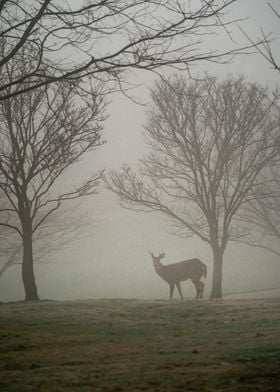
129	345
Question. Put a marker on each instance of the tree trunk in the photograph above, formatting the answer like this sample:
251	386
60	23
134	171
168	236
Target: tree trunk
216	292
28	276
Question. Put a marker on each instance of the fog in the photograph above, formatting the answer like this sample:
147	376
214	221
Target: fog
111	260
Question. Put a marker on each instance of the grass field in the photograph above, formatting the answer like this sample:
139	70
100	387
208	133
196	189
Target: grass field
132	345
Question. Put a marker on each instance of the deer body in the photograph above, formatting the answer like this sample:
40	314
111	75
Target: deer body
174	274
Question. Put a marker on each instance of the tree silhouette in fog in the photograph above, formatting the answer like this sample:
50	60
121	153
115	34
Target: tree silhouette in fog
42	133
208	142
261	215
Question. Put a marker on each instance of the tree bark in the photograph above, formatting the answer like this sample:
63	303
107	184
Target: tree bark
28	277
216	292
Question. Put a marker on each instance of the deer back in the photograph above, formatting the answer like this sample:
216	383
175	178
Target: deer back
183	270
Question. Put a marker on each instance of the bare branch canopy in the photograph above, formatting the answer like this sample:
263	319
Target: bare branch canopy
208	143
43	132
103	38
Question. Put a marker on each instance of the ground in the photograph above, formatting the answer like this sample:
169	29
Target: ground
132	345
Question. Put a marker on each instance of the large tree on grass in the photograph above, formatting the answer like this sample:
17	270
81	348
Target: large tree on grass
43	132
208	143
102	38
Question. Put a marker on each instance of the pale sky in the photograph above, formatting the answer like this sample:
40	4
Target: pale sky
112	260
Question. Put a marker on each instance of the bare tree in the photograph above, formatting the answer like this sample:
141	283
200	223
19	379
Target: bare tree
261	215
102	38
208	142
42	133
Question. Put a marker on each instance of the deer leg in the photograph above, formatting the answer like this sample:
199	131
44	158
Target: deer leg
197	288
178	285
171	287
201	289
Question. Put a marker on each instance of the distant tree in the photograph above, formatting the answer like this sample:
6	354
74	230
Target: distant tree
60	231
102	38
43	132
10	250
261	215
208	143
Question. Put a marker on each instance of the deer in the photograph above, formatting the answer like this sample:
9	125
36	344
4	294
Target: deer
174	274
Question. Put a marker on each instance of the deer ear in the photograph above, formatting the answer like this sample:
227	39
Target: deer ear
151	253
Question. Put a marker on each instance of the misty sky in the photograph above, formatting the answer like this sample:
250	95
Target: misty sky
112	259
